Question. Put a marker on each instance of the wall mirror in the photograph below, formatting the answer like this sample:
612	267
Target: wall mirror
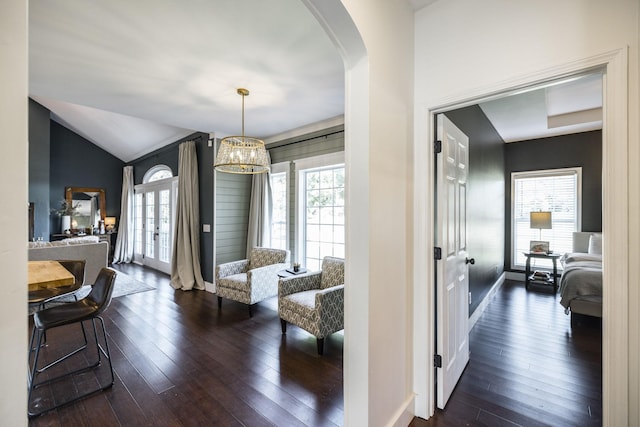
91	204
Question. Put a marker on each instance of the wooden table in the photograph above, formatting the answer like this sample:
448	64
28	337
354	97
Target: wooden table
48	274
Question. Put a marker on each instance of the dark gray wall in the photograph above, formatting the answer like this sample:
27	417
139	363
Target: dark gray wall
169	156
39	147
577	150
76	162
485	200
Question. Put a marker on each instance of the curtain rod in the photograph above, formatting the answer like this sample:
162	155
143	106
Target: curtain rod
306	139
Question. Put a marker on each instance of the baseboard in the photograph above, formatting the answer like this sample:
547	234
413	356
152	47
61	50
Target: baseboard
210	287
486	300
515	275
404	414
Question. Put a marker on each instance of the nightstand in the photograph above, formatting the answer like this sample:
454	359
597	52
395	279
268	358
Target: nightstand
530	278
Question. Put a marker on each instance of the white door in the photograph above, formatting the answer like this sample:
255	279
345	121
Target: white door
154	210
452	287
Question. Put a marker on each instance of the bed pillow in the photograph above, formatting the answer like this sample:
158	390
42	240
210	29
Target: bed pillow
595	244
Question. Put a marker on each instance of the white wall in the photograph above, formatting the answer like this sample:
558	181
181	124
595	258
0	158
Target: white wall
13	215
466	48
378	133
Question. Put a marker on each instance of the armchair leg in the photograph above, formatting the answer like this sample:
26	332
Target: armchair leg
283	324
219	303
320	343
250	311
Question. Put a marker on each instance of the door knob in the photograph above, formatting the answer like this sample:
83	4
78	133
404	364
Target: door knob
469	261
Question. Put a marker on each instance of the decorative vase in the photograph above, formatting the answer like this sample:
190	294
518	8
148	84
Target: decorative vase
65	223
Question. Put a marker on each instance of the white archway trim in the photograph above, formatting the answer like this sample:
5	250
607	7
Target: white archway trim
337	22
615	228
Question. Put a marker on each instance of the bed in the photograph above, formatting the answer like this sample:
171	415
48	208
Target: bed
581	280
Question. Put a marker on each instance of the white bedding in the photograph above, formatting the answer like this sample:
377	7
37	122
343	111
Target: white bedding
581	278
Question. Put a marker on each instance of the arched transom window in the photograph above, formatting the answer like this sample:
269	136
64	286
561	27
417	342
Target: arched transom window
157	173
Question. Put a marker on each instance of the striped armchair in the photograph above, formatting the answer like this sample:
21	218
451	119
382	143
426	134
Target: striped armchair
252	280
314	301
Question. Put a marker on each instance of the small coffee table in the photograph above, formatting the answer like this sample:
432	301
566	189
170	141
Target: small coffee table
288	272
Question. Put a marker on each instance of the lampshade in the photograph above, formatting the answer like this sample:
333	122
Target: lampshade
540	219
242	154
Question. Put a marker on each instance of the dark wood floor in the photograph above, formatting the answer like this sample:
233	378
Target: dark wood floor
528	367
181	362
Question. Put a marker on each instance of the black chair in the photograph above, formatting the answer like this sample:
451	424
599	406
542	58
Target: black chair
88	308
42	296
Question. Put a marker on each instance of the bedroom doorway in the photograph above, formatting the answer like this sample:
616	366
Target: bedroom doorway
507	244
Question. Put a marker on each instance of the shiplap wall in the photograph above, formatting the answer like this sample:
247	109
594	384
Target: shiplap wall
233	195
233	192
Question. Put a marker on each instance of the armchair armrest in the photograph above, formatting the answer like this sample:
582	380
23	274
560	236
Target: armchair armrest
293	284
267	274
230	268
332	295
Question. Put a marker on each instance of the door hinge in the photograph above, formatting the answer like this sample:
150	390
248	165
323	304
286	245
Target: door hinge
437	253
437	361
437	146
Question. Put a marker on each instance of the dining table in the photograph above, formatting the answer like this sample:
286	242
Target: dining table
48	274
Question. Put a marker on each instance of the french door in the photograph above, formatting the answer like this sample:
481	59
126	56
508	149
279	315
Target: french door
155	205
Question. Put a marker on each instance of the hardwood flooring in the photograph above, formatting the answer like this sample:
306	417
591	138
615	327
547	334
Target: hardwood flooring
527	367
179	361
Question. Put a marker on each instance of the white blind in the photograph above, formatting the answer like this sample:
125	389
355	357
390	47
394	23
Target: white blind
557	191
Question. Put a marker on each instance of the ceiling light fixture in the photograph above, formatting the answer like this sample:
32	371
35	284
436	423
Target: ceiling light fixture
242	154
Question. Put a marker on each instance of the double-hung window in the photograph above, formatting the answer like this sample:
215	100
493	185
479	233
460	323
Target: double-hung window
320	192
279	180
557	191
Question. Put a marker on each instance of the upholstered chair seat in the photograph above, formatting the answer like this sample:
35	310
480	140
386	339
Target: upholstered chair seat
252	280
314	301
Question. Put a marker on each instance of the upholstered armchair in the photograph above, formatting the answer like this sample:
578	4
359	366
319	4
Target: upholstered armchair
314	301
252	280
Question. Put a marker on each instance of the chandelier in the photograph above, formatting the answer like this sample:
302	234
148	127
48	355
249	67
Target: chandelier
242	154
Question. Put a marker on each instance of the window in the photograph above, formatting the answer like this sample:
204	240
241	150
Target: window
557	191
157	173
321	230
279	213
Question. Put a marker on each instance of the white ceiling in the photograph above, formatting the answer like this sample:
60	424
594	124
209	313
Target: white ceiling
169	68
133	76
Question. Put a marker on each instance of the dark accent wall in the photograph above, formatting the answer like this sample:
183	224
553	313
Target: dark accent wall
77	162
169	156
566	151
485	200
39	147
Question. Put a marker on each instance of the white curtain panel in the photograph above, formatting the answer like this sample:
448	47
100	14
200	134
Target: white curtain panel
259	230
185	262
123	252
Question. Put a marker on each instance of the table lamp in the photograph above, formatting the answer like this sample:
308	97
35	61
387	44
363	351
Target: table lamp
540	220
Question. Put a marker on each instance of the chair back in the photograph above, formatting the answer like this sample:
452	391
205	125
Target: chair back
102	290
75	267
261	257
332	272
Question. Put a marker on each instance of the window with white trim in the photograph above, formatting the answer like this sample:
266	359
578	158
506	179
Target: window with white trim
279	180
556	190
321	225
157	173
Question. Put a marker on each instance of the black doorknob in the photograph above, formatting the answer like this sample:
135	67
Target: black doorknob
469	261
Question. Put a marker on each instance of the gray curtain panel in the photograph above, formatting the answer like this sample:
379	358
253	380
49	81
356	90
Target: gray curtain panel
259	230
185	262
123	252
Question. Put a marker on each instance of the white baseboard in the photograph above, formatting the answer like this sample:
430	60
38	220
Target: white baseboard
404	414
515	275
210	287
486	300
